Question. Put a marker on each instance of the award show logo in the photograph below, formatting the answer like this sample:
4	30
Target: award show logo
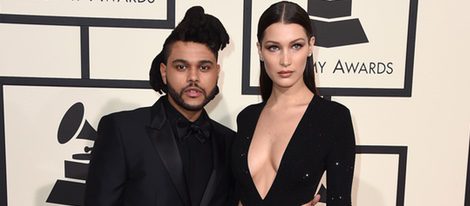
73	126
354	55
335	32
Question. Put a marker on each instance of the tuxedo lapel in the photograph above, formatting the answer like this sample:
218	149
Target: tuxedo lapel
162	138
211	187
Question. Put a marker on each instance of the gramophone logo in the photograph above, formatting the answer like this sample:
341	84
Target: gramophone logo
332	32
73	126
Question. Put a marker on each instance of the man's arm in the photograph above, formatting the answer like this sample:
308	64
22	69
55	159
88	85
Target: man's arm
106	173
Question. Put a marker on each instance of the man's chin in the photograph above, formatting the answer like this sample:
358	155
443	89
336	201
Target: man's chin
193	105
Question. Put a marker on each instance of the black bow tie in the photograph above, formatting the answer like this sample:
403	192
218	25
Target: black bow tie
186	129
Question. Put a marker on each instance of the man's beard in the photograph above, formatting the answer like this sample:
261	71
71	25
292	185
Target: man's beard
178	97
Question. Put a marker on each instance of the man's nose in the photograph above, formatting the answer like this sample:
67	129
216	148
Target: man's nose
193	74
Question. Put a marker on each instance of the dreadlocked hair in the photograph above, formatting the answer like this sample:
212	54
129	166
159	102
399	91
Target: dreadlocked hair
196	26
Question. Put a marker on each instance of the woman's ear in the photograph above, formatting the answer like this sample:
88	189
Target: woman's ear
311	43
258	45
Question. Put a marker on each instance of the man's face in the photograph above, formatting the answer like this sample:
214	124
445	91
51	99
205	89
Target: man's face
191	75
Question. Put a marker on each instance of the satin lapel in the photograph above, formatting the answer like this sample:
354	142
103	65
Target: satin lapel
162	138
215	175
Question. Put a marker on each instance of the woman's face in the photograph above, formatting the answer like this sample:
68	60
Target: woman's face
284	50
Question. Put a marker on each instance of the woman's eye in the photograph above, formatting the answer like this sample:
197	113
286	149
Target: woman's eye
273	48
297	46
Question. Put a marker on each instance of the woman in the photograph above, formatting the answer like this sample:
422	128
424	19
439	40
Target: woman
285	143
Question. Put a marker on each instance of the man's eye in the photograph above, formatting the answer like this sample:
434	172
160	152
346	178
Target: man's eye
180	67
204	67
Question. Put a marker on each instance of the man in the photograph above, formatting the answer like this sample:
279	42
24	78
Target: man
171	153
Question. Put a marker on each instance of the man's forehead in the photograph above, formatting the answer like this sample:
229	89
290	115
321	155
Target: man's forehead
187	61
191	52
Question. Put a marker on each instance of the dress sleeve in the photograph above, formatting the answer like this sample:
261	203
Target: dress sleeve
107	169
340	161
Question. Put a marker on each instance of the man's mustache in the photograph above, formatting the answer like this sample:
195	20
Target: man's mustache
193	85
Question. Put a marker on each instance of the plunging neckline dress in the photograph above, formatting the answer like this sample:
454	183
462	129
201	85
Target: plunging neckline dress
322	141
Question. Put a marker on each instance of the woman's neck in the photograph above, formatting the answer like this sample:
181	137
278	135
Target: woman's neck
290	96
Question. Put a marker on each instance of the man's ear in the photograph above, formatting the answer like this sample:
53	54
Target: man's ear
163	72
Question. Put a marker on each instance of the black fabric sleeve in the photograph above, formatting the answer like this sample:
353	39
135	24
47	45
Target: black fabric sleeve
340	161
107	169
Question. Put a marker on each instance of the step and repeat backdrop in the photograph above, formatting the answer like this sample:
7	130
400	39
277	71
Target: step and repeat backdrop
399	65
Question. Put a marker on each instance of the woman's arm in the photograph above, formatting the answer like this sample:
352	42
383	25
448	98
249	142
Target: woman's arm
340	161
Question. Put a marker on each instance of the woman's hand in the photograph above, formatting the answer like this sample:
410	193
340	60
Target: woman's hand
315	200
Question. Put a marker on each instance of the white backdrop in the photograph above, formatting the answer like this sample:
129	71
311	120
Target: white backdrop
54	54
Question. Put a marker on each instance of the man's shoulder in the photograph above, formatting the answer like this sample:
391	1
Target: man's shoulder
220	128
130	115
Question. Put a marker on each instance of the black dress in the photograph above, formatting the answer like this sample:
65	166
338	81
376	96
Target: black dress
323	140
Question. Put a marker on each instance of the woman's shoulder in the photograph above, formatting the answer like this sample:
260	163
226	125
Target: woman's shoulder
250	111
333	117
252	108
330	108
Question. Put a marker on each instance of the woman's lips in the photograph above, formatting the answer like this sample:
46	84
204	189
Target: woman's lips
285	73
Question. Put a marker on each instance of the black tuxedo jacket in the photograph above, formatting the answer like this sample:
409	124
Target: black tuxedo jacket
135	162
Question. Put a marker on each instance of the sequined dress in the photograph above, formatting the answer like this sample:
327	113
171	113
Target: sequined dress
323	141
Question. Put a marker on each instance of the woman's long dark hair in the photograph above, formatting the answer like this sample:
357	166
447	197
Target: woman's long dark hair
285	12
